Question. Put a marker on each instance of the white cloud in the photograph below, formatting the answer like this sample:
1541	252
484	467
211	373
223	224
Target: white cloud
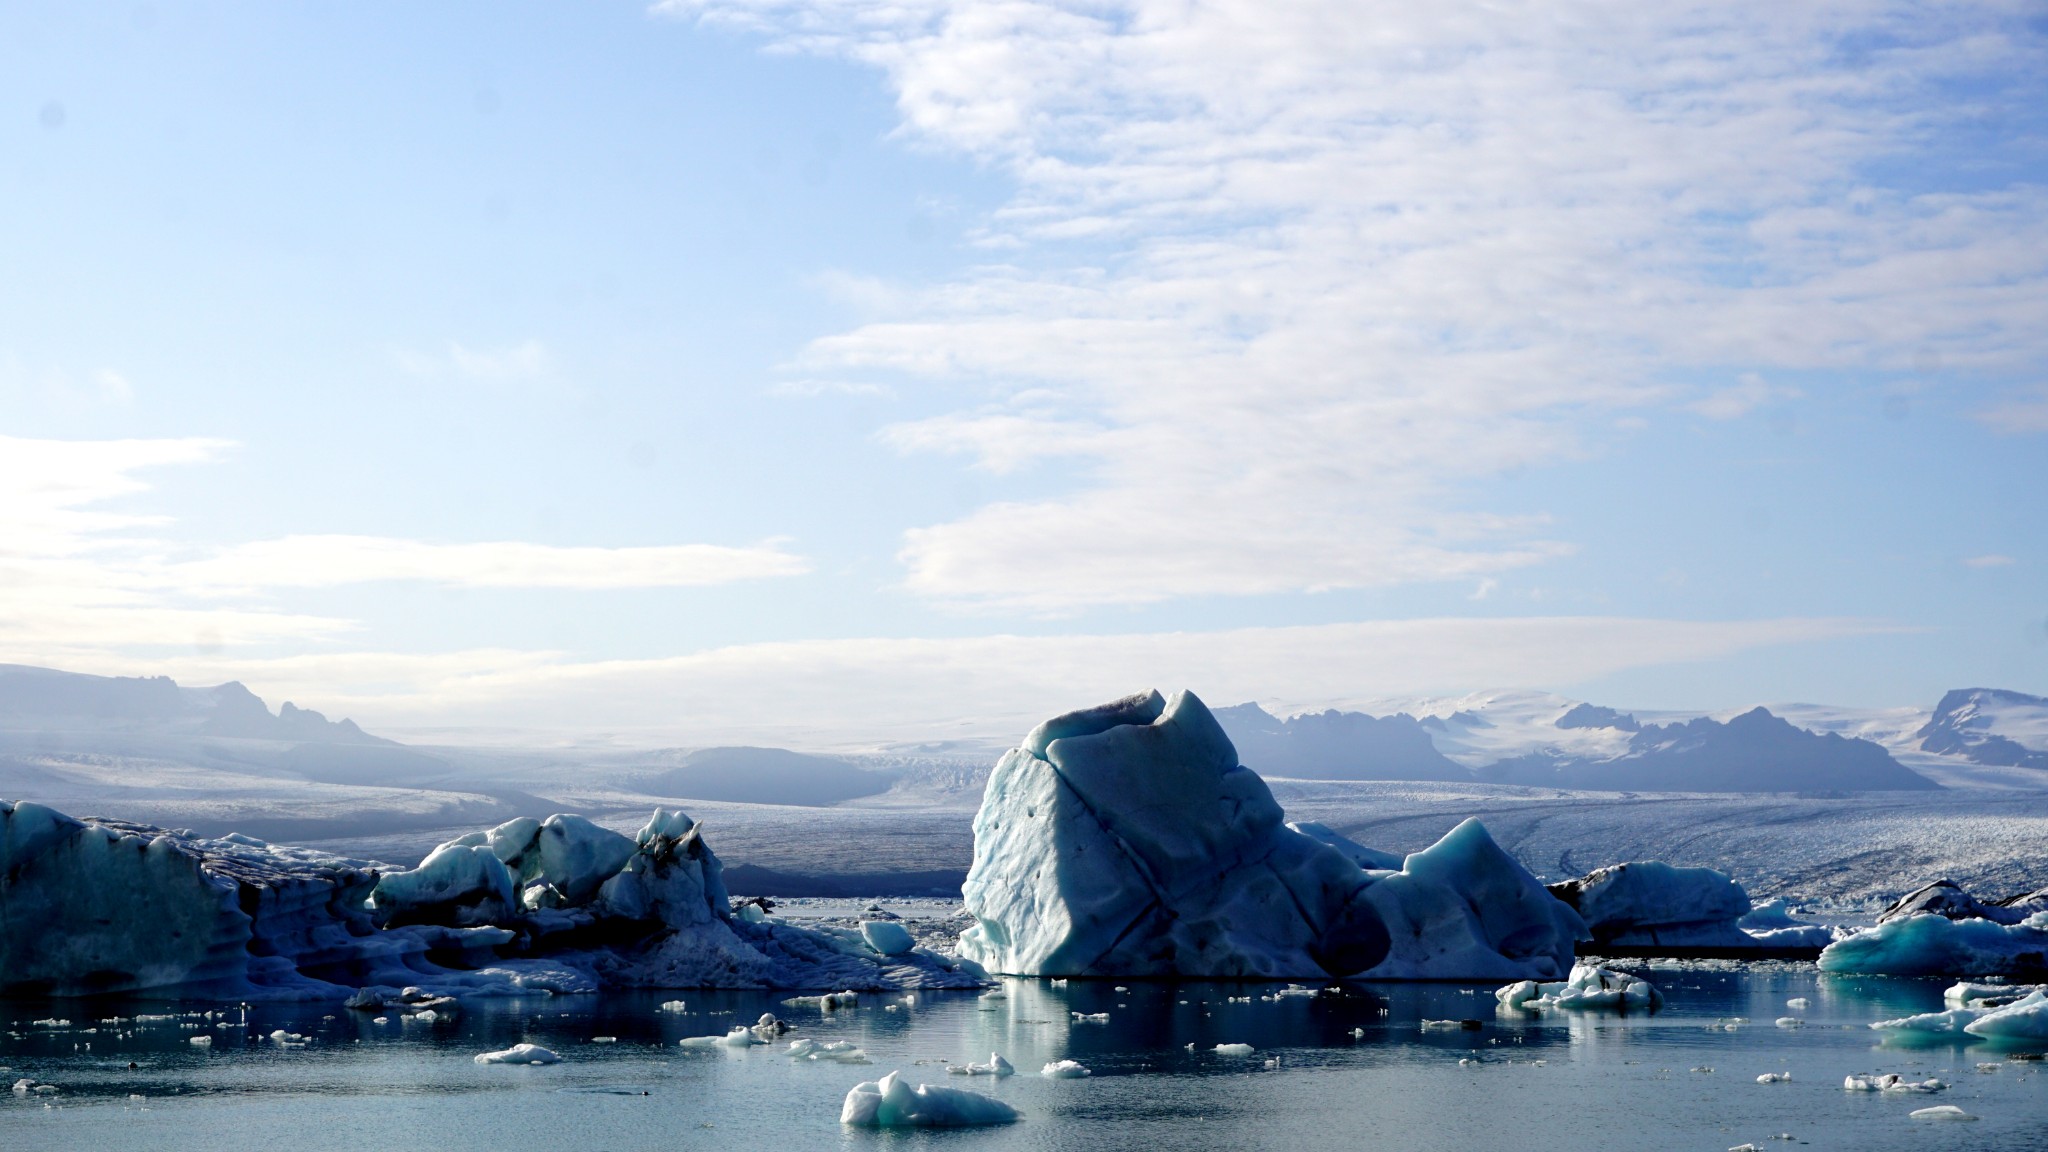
1300	274
328	561
820	693
78	579
1990	560
1746	395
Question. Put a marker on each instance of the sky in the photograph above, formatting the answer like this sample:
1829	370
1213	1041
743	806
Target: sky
832	374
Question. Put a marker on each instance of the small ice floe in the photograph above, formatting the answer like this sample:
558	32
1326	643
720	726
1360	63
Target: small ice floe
1091	1017
1273	1063
1889	1082
1443	1025
22	1086
1775	1078
768	1029
676	1006
836	1051
996	1066
1588	988
2023	1019
519	1054
1940	1112
288	1039
1747	1148
1703	1069
1797	1004
996	993
1233	1049
1989	1067
829	1002
199	1041
1791	1022
1063	1070
737	1038
1059	982
890	1103
604	1039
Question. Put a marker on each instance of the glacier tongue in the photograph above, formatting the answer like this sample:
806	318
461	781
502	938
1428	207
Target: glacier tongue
1127	840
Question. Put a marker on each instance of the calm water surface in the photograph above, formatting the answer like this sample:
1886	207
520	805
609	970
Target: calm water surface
1666	1081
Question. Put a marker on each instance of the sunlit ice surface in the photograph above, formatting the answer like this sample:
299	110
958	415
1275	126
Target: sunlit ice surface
1347	1067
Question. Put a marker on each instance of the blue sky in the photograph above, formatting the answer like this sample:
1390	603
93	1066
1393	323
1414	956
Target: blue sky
846	373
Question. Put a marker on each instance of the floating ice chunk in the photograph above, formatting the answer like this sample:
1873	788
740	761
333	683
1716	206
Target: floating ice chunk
840	1052
887	937
519	1054
673	1006
2025	1019
1940	1112
1952	1020
1931	945
996	1066
1063	1070
737	1038
1797	1004
200	1041
1233	1049
890	1103
800	1048
1589	988
1791	1022
22	1086
1091	1017
1443	1025
1775	1078
830	1002
1889	1082
1989	1067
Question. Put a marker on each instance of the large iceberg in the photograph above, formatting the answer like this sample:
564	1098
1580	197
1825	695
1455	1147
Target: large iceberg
1127	840
532	906
890	1103
1646	903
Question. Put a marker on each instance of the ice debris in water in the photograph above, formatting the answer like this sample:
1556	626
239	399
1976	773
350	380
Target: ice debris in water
2024	1018
836	1051
1775	1078
1797	1004
1791	1022
519	1054
200	1041
737	1038
1091	1017
1940	1112
890	1103
1128	840
1063	1070
996	1066
1889	1082
674	1006
1589	988
829	1002
1233	1049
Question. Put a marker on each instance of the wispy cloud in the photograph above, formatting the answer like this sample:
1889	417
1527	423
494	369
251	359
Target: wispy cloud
1989	560
1746	395
328	561
522	361
2023	412
77	577
1298	275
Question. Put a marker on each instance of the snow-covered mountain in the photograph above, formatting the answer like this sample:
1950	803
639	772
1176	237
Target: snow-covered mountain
1975	738
1989	726
1336	746
46	700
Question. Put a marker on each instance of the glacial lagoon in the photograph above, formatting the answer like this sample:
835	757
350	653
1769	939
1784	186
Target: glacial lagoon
1352	1066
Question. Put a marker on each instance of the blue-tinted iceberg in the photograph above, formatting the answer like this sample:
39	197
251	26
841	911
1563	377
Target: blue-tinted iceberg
1931	945
1127	840
1652	903
529	907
